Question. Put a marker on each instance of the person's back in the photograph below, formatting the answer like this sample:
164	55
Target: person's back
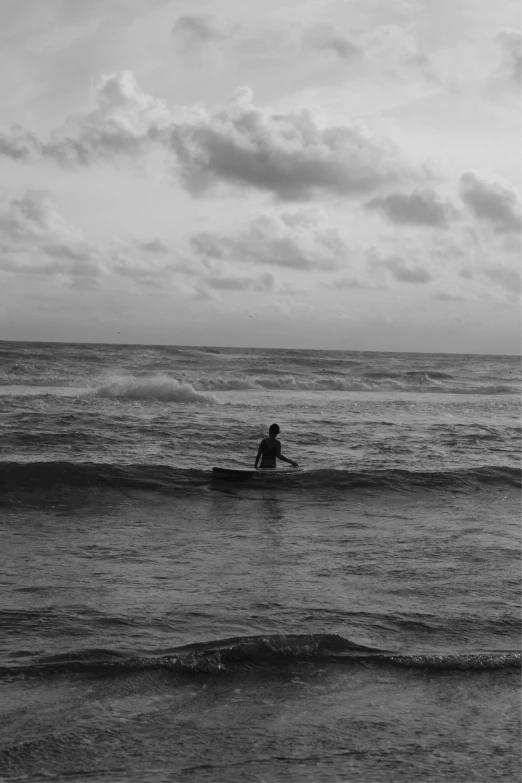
269	451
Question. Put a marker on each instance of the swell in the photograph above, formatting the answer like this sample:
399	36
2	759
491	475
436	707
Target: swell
158	387
262	652
197	389
20	475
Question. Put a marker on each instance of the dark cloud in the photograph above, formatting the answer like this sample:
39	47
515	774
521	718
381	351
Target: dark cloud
286	154
422	208
492	203
302	239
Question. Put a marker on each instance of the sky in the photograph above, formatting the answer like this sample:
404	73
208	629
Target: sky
300	174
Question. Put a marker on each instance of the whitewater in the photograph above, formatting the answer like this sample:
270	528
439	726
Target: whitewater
356	619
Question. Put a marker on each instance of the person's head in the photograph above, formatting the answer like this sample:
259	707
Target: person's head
273	430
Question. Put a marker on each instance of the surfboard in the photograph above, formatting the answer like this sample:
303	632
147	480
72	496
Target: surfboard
239	474
230	474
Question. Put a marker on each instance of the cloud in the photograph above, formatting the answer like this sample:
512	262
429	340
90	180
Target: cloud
33	217
122	121
301	239
290	289
379	52
509	279
149	262
153	246
512	244
360	283
264	282
328	38
38	241
194	29
18	144
491	202
286	154
154	273
422	208
395	52
63	251
406	273
289	155
510	42
447	296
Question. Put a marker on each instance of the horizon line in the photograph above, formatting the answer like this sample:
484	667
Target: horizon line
259	348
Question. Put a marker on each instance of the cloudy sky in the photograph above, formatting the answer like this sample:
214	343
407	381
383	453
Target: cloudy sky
295	173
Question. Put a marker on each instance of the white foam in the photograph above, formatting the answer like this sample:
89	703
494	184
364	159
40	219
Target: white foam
319	383
156	387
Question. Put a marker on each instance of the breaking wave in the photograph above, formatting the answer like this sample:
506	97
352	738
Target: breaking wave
262	652
157	387
194	388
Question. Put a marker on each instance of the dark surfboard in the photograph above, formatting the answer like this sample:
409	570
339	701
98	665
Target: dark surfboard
233	474
241	474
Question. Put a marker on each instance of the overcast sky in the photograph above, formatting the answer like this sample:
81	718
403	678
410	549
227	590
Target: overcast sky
294	173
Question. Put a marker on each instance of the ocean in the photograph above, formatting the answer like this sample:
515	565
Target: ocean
355	619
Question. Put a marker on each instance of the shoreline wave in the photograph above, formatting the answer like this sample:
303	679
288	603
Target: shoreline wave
262	652
187	388
34	475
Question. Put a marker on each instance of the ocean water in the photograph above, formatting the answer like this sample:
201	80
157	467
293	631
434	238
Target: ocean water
357	619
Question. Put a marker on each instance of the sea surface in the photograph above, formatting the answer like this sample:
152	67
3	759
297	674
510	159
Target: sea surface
355	619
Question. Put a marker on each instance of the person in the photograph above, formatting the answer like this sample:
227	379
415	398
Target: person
270	450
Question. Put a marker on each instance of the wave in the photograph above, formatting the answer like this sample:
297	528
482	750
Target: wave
36	475
372	382
262	652
157	387
426	375
195	389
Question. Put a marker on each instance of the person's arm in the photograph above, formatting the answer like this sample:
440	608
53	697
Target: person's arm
258	454
284	459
